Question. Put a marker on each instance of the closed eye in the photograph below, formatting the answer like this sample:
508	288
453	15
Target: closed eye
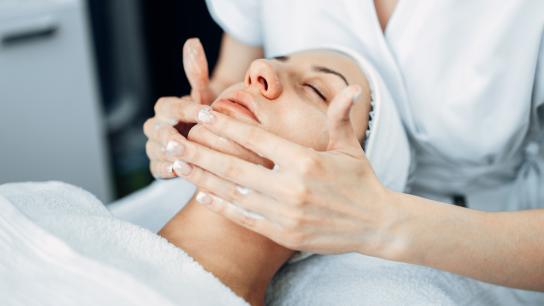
317	92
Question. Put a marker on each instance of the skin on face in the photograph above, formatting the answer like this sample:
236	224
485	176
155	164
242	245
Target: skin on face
289	97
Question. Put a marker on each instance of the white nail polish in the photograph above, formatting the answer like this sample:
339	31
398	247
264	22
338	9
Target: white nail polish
205	115
276	168
243	190
181	167
203	198
174	148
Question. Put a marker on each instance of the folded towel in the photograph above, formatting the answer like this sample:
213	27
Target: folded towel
60	246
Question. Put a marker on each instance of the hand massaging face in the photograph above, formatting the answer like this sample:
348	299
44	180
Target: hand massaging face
289	96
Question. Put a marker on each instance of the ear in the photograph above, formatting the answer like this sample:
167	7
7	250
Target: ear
196	70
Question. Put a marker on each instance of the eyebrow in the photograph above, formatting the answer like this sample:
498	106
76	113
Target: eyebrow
281	58
321	69
328	70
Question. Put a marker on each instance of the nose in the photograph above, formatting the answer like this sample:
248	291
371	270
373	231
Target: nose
262	75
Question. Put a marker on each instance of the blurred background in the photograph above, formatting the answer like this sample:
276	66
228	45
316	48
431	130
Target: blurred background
79	78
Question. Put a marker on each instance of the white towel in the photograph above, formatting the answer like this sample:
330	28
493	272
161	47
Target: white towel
354	279
60	246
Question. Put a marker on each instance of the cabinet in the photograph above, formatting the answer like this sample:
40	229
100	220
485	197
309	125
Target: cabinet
51	126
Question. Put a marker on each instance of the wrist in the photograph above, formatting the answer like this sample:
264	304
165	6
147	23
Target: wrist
404	223
426	232
392	240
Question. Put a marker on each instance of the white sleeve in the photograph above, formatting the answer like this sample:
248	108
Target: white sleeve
239	18
538	96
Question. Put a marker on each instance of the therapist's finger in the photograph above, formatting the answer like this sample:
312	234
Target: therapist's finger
256	139
251	221
244	198
152	127
207	138
166	135
154	151
236	170
171	110
157	152
341	134
195	65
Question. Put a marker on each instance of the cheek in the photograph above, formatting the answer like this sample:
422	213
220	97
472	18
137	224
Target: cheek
303	124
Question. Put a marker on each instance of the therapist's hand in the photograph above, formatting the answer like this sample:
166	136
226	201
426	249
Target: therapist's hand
168	122
325	202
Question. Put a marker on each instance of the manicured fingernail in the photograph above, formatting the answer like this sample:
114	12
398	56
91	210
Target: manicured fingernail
276	168
174	148
356	93
181	167
205	115
243	190
203	198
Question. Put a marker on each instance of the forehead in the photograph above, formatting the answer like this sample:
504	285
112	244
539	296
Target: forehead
330	59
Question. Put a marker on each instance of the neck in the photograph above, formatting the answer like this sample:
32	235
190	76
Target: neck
241	259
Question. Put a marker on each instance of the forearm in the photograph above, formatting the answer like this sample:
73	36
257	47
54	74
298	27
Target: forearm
505	248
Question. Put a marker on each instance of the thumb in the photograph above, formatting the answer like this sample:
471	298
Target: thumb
341	134
196	70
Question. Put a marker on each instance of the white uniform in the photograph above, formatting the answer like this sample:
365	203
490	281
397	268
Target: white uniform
468	77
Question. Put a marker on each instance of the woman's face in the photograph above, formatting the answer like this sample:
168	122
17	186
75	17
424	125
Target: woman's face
289	97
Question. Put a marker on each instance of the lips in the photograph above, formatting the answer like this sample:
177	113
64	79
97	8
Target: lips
240	106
